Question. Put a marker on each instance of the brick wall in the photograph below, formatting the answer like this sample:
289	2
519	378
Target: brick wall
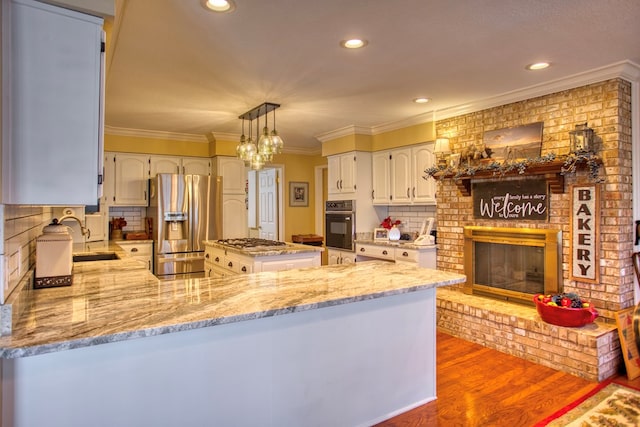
593	351
606	107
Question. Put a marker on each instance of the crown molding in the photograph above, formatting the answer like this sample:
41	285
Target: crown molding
155	134
345	131
626	69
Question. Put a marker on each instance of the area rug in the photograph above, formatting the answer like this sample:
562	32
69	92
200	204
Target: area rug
609	404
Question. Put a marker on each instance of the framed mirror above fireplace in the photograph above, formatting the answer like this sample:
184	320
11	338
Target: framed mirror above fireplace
512	264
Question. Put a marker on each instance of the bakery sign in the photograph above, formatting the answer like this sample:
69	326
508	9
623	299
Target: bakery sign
511	200
585	221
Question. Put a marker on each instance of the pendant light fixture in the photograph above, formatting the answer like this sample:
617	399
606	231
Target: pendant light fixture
268	144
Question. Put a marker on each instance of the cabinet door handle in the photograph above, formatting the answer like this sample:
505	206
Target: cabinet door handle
385	253
230	265
338	184
408	194
149	264
244	269
414	192
134	249
405	254
145	194
341	184
362	249
373	192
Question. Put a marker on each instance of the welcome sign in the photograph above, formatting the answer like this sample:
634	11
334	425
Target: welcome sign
511	200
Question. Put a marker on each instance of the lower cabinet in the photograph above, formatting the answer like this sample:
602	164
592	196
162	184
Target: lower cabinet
336	256
234	216
222	263
140	251
423	256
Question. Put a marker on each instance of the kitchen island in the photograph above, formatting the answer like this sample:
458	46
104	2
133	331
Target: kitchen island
339	345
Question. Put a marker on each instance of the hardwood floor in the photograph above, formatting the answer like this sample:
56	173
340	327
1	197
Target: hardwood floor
477	386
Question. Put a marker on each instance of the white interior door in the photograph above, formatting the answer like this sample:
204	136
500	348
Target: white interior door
268	204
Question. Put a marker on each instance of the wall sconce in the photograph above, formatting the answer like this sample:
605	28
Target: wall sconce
442	151
581	139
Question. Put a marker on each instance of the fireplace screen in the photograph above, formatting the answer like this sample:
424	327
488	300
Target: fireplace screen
514	268
512	263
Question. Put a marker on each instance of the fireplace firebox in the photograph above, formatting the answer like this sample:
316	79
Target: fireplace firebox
512	263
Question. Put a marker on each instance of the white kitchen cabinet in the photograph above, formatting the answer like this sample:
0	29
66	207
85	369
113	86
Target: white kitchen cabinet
381	177
183	165
233	173
52	115
234	216
422	256
140	251
164	164
425	189
196	166
234	196
222	263
342	175
131	180
406	171
336	256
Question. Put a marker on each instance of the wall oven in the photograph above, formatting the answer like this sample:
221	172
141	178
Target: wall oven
340	224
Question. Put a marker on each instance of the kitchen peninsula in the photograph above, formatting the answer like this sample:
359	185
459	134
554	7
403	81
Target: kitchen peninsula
337	345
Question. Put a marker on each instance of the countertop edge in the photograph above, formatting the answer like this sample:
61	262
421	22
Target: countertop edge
34	350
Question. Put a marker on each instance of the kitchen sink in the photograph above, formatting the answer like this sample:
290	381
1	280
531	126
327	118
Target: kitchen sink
95	257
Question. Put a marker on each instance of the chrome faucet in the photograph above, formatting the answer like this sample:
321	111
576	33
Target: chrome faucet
85	231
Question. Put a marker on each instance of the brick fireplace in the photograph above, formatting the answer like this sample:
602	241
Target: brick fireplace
592	351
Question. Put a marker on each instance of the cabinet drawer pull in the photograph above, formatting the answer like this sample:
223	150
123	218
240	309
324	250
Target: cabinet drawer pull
362	250
385	253
244	269
230	264
206	256
217	259
405	254
134	249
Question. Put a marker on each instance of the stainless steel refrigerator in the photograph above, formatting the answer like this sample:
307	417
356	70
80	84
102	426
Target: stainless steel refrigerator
184	210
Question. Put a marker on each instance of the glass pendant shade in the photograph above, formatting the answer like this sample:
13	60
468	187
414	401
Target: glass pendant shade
277	141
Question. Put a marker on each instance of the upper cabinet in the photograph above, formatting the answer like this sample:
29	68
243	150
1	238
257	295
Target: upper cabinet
52	88
342	176
233	173
183	165
398	176
131	180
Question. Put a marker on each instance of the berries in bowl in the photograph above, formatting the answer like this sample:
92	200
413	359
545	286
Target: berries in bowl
566	309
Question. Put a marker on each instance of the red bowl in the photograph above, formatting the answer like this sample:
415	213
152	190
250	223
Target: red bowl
563	316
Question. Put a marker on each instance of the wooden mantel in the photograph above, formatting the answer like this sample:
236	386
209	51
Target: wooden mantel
552	171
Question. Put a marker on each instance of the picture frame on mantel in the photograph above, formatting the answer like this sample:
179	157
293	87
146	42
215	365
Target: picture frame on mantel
510	144
298	194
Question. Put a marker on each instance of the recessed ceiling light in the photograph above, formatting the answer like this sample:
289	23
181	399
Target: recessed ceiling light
353	43
421	100
537	66
219	5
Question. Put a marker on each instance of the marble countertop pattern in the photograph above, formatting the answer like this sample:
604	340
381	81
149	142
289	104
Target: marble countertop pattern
258	251
107	304
395	243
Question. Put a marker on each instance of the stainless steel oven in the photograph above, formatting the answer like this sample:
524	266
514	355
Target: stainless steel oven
340	224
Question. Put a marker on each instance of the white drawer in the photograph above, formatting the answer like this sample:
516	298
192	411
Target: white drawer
237	265
137	249
375	251
406	255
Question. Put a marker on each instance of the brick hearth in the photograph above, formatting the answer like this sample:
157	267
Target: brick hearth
589	352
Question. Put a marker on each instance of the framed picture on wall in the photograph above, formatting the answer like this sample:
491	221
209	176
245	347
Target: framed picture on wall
298	194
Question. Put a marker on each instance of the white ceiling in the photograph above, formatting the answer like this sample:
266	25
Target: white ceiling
174	67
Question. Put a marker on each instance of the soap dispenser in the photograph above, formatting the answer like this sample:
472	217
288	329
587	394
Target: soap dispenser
54	256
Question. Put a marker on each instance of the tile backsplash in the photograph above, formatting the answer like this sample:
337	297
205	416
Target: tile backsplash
412	216
133	215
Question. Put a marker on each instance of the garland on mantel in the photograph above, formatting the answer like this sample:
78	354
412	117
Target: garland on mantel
469	169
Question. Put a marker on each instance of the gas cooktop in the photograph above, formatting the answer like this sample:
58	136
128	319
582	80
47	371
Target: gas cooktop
250	243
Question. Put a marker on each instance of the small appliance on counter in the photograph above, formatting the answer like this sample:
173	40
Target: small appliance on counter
54	257
425	237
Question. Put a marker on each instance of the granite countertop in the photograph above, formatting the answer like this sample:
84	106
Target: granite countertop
395	243
258	251
107	303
